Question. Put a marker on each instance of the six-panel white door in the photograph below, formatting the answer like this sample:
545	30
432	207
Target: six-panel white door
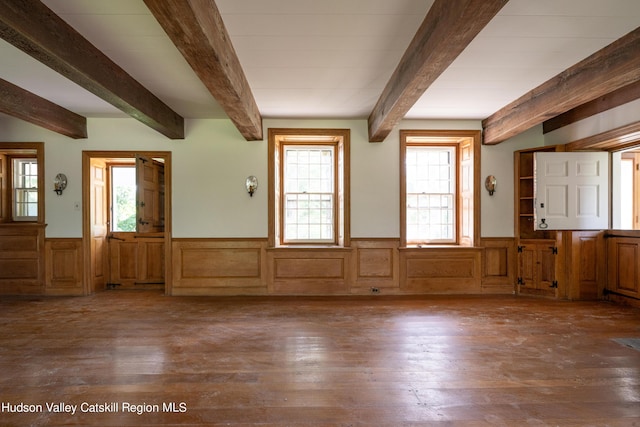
571	191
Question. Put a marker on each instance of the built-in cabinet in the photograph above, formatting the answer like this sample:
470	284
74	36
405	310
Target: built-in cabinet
537	250
553	264
524	197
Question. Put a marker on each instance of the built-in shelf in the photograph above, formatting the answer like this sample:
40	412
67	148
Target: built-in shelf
524	207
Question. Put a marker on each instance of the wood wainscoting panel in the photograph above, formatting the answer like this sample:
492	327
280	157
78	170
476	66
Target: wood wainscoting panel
154	261
496	262
64	264
19	269
219	266
375	263
308	268
586	261
499	265
124	261
441	270
308	271
374	266
623	275
21	259
236	262
627	268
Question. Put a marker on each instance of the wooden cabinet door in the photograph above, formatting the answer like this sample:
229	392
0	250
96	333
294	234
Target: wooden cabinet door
546	283
527	261
536	269
623	266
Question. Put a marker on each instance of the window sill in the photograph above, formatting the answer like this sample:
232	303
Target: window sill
432	247
22	224
309	248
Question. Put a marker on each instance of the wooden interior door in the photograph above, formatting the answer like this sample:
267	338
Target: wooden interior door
99	228
136	261
150	194
124	259
137	258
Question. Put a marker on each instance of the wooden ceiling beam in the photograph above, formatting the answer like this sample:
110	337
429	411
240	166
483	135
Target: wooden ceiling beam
611	68
450	25
33	28
27	106
197	30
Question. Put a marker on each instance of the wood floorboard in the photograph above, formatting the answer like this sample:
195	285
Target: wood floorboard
317	361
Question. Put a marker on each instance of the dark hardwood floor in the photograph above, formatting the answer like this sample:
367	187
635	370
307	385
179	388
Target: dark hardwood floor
141	358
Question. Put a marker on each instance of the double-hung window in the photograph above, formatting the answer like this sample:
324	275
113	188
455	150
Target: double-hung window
308	197
438	187
309	193
25	189
21	182
431	193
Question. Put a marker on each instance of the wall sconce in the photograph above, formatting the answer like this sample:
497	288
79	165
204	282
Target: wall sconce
60	183
251	184
490	184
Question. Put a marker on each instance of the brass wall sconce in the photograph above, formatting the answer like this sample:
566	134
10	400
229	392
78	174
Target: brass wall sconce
251	184
60	183
490	184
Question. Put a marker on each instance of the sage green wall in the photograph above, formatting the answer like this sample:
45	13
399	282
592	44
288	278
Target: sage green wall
211	164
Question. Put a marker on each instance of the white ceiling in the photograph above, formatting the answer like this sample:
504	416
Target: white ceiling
331	58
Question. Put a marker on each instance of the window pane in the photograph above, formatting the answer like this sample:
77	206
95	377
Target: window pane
123	198
308	217
430	186
26	202
308	169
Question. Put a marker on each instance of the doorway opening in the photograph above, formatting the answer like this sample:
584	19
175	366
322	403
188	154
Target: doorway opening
626	190
126	220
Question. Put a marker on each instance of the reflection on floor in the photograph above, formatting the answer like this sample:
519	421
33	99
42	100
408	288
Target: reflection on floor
140	358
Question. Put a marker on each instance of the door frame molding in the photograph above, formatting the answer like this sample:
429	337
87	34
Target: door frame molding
86	210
